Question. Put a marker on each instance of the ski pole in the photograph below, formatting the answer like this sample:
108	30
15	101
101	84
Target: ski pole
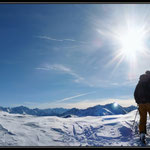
135	118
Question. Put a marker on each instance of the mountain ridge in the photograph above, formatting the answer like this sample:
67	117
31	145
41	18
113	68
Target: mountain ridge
98	110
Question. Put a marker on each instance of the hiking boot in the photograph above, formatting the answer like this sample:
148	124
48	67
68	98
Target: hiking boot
142	137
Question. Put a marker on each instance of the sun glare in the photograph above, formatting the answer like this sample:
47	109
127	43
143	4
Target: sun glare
131	42
115	104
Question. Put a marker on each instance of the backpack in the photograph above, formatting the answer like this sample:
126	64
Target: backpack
147	90
140	93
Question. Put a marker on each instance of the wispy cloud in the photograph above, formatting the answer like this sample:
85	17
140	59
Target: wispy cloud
72	97
49	38
59	40
63	69
90	81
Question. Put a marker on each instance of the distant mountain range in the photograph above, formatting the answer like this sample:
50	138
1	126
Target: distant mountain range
98	110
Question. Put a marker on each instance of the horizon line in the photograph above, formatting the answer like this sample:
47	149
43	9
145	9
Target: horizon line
65	108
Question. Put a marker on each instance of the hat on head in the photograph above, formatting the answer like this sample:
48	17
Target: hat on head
147	72
143	77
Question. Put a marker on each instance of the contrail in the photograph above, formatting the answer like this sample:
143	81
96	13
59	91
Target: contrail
68	98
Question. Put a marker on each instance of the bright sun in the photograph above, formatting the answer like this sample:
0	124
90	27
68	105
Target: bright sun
127	36
131	42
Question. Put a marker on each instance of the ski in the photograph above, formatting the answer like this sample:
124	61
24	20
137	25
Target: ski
143	143
143	139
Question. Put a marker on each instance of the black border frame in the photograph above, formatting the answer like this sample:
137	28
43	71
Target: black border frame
74	2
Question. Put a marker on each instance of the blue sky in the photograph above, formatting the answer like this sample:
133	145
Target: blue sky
64	55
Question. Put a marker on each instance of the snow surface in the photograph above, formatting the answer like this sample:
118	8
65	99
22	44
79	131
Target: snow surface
28	130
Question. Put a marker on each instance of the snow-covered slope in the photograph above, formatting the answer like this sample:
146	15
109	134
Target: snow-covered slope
28	130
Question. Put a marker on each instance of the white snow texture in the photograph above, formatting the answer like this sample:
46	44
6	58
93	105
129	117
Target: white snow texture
28	130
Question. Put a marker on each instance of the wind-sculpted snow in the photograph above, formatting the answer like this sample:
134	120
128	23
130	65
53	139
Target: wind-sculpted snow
28	130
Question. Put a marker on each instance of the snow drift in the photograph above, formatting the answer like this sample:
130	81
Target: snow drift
29	130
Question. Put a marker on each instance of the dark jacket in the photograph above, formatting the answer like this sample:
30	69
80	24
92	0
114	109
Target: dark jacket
142	90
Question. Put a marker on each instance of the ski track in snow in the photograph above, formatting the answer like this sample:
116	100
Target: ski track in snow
27	130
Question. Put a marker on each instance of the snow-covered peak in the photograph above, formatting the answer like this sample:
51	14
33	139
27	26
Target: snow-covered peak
98	110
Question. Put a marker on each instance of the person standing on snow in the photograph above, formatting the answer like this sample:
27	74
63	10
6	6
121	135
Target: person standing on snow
142	98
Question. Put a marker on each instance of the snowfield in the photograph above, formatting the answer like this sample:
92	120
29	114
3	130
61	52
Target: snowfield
28	130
